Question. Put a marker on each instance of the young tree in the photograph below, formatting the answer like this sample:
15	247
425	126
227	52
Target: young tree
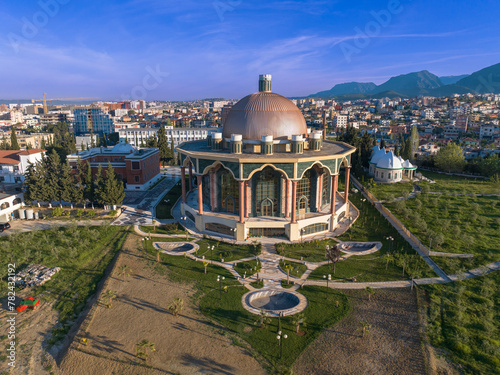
297	320
263	320
176	306
370	291
124	271
288	267
364	328
143	347
108	298
14	145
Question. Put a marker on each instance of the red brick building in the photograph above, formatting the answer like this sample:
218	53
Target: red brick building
139	169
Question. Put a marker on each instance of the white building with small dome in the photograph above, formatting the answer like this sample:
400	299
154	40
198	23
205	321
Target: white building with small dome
386	167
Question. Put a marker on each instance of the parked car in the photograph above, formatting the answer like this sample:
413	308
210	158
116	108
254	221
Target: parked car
4	226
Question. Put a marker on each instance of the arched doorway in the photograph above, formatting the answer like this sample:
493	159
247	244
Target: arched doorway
266	187
267	207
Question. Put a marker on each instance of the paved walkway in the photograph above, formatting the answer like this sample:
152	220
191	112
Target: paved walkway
21	226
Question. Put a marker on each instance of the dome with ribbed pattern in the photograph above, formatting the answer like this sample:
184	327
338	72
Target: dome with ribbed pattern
264	113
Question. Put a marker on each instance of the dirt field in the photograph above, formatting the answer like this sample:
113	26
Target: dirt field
392	345
187	344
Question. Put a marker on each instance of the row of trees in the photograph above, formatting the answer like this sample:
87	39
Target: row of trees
51	180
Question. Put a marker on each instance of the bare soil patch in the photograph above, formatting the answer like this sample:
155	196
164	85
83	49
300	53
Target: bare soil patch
392	345
187	344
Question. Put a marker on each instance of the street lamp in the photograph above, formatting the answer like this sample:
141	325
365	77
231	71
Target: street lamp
220	279
390	238
211	250
280	338
328	279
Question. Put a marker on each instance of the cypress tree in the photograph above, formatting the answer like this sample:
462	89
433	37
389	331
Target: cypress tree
163	146
13	140
113	187
99	193
66	184
414	143
89	191
33	182
172	151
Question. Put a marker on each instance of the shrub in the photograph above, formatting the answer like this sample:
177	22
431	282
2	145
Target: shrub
57	211
91	213
79	212
112	213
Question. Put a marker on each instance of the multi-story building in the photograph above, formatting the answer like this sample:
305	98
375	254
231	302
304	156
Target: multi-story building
33	140
16	117
54	118
427	114
340	121
14	163
139	169
136	137
462	123
92	120
489	131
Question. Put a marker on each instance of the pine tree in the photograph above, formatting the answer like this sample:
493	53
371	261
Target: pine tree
99	193
33	182
172	151
113	187
43	145
51	189
89	191
66	184
13	139
382	143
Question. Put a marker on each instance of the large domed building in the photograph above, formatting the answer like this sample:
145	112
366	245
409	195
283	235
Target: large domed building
265	173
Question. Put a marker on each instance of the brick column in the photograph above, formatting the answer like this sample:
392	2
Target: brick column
200	194
287	197
335	185
294	201
183	183
190	177
242	200
346	194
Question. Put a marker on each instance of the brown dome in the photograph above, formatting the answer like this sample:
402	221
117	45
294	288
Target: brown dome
264	113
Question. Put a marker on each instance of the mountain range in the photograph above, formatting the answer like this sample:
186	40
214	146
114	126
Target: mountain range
486	80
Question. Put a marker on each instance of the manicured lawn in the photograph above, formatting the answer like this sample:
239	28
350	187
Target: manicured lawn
247	268
309	251
463	318
297	270
83	253
228	252
370	267
164	229
167	202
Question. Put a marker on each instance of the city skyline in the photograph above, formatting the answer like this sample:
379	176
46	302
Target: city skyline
152	50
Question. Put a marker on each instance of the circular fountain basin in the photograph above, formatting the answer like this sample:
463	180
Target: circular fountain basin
275	302
176	248
360	248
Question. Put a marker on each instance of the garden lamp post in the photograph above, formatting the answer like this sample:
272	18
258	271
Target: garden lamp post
328	279
211	252
280	338
220	279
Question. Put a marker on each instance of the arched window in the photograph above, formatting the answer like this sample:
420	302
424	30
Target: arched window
228	189
304	193
266	190
4	205
16	201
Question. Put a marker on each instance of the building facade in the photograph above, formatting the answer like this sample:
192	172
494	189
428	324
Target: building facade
14	163
139	136
92	120
265	173
139	169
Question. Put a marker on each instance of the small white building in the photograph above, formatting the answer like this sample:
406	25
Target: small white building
14	163
389	168
8	204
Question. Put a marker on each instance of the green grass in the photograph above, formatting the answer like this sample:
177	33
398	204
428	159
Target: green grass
297	270
363	268
460	185
386	191
248	268
313	251
164	229
83	253
226	308
463	318
226	251
163	209
465	224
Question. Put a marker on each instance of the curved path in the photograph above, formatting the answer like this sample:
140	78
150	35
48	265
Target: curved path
272	274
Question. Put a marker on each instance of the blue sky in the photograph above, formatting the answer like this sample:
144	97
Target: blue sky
199	49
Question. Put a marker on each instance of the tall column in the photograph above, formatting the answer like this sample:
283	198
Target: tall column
242	200
183	183
335	185
212	190
294	201
200	194
190	177
287	197
246	198
320	191
346	194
